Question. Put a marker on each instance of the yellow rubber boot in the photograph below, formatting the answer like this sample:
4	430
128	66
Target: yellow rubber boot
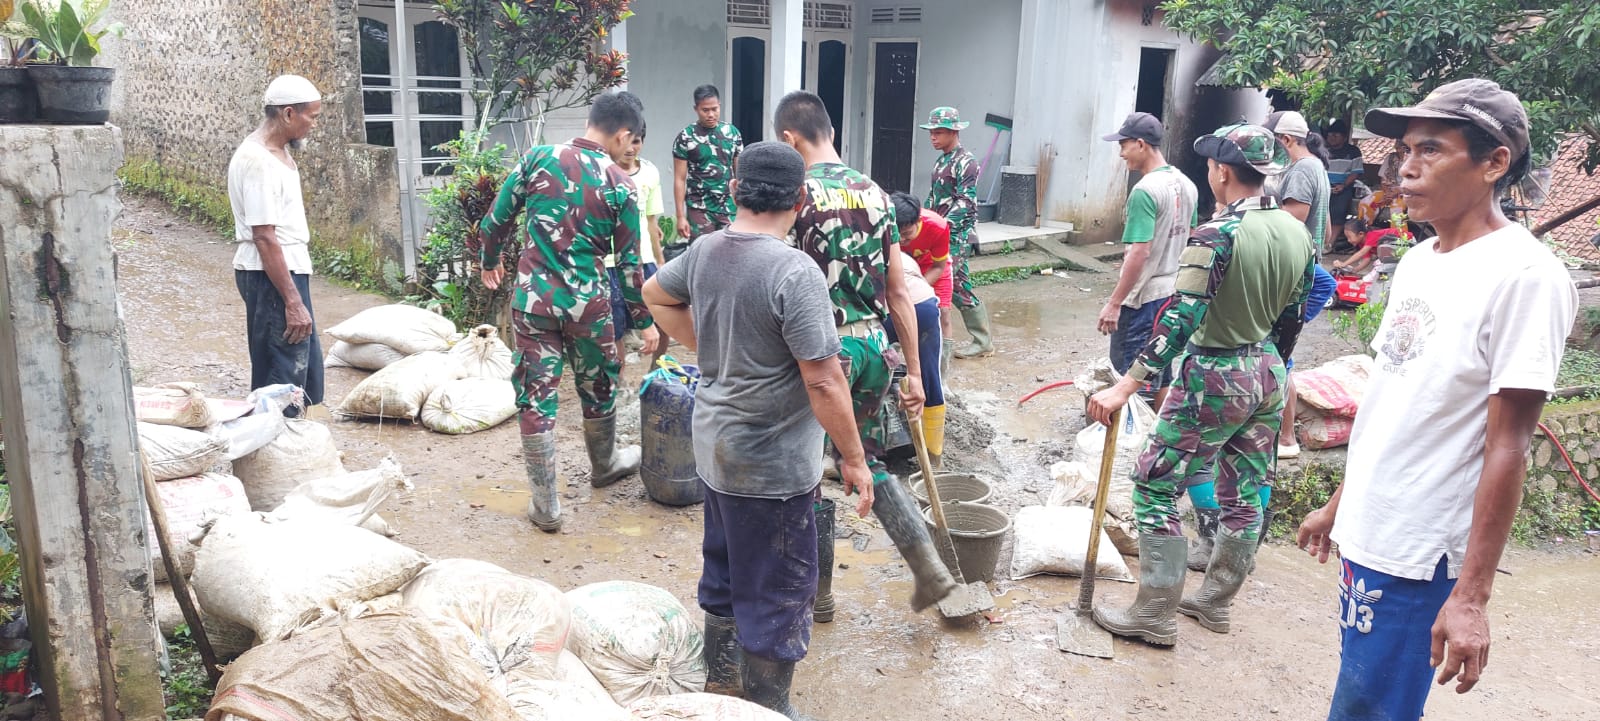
933	432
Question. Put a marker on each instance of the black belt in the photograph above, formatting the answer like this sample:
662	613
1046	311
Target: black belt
1235	352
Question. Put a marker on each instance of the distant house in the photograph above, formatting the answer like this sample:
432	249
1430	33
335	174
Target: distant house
1569	188
1064	71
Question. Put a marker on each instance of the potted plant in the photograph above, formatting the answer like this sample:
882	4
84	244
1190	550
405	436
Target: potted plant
18	104
66	38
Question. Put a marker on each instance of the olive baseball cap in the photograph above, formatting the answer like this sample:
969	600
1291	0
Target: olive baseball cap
1480	102
945	117
1138	126
1248	145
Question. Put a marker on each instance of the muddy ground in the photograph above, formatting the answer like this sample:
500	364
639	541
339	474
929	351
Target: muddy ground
878	660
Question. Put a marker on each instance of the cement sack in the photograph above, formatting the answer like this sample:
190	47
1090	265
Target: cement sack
469	405
536	699
637	639
277	578
176	452
304	451
1075	486
365	356
385	667
400	390
1137	420
172	404
572	670
189	503
701	707
1055	539
1322	429
524	622
484	355
1336	386
352	498
405	328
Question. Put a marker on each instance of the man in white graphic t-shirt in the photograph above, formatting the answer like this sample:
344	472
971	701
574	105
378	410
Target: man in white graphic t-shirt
272	266
1467	353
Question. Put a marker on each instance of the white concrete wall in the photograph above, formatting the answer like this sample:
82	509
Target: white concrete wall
675	46
967	58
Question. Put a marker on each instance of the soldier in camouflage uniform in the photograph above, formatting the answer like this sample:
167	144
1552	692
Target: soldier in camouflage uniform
579	207
954	195
1242	281
703	157
847	225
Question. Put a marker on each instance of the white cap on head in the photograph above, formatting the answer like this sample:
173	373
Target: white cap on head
1292	124
290	90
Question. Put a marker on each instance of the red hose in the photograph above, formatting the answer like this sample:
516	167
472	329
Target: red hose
1575	474
1050	386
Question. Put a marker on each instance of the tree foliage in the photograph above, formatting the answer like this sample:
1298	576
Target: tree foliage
1342	58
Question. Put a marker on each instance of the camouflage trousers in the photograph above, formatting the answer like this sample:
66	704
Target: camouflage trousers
869	365
545	346
1224	408
702	221
961	295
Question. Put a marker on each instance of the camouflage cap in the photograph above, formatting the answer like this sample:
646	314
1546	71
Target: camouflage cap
1249	145
945	117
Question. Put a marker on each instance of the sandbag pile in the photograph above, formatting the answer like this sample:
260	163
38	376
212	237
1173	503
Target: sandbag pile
377	337
1329	396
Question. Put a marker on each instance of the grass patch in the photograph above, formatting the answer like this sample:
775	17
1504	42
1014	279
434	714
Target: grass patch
1300	491
1004	275
187	194
187	688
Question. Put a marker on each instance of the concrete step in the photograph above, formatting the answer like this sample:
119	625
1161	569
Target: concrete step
1026	258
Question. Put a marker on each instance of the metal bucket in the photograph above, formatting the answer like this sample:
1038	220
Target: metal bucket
979	532
963	487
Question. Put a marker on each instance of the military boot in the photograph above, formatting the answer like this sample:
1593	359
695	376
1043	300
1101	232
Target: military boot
767	682
901	520
1266	526
544	505
822	610
977	320
608	463
1205	521
1153	615
1229	566
723	656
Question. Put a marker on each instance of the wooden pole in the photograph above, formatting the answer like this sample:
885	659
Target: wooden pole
71	444
180	585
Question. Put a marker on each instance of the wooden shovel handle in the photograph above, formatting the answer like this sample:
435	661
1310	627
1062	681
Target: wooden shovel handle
1091	559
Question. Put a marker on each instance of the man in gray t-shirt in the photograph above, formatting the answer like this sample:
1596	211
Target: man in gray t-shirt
758	314
1302	189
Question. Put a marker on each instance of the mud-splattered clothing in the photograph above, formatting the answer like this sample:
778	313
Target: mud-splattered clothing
546	347
954	195
759	567
710	154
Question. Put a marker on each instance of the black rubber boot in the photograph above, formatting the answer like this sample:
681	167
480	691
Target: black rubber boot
822	610
1205	521
1153	617
1229	566
544	502
767	682
723	656
901	520
608	463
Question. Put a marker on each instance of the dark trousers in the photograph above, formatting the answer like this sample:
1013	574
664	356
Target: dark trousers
272	359
619	308
761	570
929	340
1134	327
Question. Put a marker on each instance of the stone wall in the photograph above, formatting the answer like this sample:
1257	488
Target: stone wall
1553	500
190	75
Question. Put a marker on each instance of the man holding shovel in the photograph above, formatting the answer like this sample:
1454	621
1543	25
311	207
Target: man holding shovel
1242	280
954	195
847	226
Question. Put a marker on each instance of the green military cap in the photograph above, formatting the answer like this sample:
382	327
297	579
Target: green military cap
945	117
1243	144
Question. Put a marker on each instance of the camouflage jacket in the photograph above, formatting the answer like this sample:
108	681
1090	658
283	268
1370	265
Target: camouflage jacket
710	154
1210	252
847	226
579	207
954	194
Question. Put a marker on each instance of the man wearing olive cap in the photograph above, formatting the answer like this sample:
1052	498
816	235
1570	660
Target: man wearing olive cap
272	266
1242	280
1468	350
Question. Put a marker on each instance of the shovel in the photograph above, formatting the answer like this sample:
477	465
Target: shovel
967	599
1078	633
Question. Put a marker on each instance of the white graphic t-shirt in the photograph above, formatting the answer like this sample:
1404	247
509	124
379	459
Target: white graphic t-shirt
1460	326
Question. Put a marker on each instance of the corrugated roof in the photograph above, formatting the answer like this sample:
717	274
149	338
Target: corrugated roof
1569	188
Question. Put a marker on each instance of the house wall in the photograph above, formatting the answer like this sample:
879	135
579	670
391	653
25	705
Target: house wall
674	47
966	59
189	80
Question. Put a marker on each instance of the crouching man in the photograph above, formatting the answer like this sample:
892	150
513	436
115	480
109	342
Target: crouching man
758	314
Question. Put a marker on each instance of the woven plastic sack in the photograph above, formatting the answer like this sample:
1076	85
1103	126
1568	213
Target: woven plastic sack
484	355
172	404
572	670
700	707
524	622
400	390
366	356
304	451
405	328
536	699
1055	539
1137	420
350	498
189	503
278	578
179	452
1336	386
1321	429
469	405
638	640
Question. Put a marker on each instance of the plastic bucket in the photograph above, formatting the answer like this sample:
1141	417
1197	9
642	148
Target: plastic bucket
963	487
979	532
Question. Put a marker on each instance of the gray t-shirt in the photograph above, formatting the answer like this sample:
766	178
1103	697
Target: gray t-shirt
1306	181
759	307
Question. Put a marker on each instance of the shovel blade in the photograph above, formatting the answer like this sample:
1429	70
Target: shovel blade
968	600
1079	634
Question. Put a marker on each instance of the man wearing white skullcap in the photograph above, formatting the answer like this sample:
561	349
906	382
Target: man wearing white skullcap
272	266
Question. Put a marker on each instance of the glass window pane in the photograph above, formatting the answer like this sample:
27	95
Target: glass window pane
438	55
749	87
381	134
375	61
431	133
